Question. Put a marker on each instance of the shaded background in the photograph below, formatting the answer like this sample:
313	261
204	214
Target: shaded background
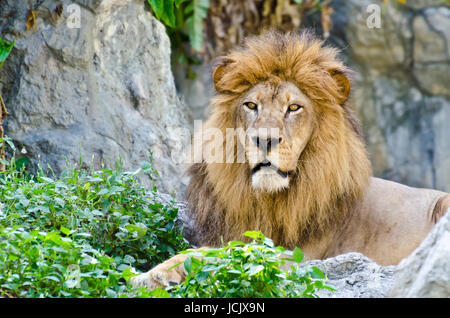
110	88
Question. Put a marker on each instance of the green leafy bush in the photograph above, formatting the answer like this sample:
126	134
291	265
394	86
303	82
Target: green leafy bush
99	223
248	270
42	264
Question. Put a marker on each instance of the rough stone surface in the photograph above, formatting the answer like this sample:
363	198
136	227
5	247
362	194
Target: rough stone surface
104	89
400	92
355	276
426	272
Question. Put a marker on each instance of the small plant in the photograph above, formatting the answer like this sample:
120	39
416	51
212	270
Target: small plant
184	16
247	270
5	49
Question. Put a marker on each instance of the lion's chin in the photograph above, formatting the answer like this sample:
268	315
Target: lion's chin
269	180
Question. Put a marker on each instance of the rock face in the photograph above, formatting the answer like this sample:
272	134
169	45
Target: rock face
426	272
355	276
103	88
400	89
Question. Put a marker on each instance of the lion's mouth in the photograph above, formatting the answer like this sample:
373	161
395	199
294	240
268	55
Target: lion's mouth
268	164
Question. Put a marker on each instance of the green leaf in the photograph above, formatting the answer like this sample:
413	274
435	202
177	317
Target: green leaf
157	7
103	191
159	293
197	11
64	230
235	243
5	49
129	259
106	203
22	162
139	228
255	269
169	14
317	273
330	288
164	11
298	255
188	264
179	2
146	166
127	274
202	276
7	139
24	202
110	293
254	234
97	212
53	278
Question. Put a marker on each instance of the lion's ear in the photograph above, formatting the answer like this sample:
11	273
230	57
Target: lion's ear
219	65
344	85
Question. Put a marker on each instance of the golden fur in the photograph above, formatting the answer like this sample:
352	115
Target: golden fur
333	169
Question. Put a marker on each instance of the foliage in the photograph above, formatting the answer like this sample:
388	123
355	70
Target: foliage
184	24
98	225
247	270
5	49
185	16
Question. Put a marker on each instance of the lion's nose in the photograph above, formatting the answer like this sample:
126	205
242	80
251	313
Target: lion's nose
266	143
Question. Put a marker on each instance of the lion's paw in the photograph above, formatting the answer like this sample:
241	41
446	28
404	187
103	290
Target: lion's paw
145	280
162	275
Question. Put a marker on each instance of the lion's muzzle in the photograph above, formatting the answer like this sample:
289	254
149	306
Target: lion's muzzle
268	177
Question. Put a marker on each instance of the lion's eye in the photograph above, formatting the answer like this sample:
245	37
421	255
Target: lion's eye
251	105
294	107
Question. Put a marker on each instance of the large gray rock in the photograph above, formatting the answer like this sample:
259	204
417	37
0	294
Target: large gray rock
104	89
426	272
355	276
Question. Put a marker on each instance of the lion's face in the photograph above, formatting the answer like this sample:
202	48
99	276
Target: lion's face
300	163
278	120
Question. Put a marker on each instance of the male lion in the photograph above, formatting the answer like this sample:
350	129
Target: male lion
311	186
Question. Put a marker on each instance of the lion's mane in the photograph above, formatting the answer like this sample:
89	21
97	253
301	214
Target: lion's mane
332	171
